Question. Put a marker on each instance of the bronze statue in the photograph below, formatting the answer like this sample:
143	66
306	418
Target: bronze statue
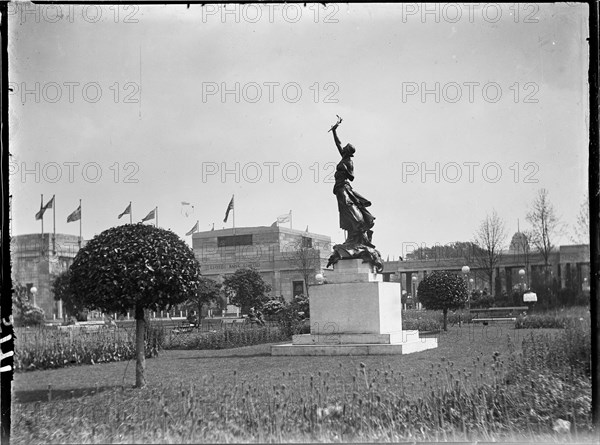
355	219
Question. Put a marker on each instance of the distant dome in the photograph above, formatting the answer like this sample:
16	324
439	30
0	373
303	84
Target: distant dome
518	242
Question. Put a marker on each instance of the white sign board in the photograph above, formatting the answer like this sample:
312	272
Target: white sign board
529	297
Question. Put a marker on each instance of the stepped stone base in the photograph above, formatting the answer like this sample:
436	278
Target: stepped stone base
405	342
355	313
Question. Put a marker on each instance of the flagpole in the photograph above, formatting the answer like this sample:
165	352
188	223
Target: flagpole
233	199
290	219
80	218
42	218
156	215
53	225
130	213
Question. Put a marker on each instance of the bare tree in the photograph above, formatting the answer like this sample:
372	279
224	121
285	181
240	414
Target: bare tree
545	224
490	238
305	258
582	225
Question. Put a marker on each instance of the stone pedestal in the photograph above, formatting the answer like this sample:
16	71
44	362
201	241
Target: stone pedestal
355	313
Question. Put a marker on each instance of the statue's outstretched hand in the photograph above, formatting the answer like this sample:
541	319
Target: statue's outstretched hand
339	121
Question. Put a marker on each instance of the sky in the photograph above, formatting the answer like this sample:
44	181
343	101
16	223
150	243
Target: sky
455	111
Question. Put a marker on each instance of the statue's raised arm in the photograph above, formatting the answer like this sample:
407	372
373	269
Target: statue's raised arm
333	128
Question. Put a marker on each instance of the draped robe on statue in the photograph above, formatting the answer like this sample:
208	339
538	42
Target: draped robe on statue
354	217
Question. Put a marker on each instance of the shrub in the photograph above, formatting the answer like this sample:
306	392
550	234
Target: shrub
226	338
481	300
432	320
30	315
47	348
292	319
273	307
460	316
421	324
300	304
551	319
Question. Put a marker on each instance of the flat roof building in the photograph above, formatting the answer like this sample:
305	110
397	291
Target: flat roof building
269	250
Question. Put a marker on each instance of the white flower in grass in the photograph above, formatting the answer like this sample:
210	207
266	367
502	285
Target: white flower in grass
330	411
561	426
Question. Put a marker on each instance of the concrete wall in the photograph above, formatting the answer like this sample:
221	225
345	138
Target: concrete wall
36	260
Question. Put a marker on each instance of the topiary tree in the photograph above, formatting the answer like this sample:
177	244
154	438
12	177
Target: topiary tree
246	289
135	267
443	290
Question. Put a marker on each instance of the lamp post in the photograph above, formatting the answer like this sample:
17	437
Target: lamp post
33	291
521	276
319	278
414	285
465	271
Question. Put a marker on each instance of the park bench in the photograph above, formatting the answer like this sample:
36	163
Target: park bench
497	314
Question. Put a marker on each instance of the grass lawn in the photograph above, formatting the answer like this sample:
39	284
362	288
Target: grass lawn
85	396
460	345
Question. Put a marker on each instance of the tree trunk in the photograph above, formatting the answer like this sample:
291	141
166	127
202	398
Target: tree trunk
140	353
445	319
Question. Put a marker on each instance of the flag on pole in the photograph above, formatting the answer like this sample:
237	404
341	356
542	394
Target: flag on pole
40	213
306	229
186	208
75	216
193	229
284	218
149	215
43	208
229	208
127	211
